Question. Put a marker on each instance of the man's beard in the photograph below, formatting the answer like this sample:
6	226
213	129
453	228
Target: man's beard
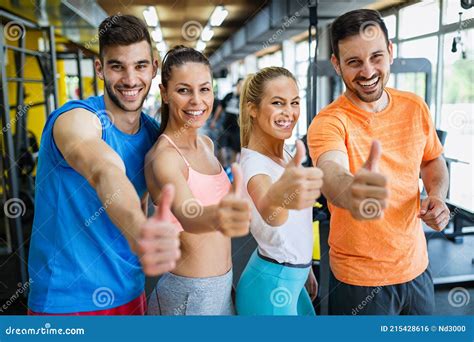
116	100
375	96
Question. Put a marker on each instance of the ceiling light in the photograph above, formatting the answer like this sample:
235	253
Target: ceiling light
206	34
157	35
161	46
200	45
218	16
150	16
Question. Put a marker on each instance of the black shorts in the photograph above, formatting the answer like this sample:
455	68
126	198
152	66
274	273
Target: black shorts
415	297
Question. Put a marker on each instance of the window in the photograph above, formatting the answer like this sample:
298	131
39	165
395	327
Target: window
273	59
451	12
457	118
410	25
416	82
302	63
391	23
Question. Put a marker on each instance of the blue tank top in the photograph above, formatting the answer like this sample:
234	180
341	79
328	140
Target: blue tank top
79	260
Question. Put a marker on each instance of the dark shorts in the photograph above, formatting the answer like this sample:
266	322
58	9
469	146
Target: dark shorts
415	297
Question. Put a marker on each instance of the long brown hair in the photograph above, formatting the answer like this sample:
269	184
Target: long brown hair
252	91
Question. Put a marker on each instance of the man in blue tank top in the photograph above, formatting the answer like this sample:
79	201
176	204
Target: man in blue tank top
92	242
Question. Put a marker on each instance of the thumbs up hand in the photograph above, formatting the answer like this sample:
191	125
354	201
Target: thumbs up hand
233	213
298	187
369	191
158	243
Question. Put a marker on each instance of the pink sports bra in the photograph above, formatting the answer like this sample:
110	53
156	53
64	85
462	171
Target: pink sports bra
207	189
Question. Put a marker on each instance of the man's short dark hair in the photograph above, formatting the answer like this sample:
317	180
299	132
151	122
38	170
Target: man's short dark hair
120	29
353	23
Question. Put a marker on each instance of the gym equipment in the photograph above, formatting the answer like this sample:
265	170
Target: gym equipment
457	40
18	159
78	56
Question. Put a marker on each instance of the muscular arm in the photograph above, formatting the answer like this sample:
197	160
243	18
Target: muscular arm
77	134
434	174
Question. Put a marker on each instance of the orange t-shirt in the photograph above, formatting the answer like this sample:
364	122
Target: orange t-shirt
390	250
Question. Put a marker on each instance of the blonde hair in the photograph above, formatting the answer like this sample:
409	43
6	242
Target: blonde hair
251	93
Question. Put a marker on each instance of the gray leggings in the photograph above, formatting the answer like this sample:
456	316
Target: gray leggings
177	295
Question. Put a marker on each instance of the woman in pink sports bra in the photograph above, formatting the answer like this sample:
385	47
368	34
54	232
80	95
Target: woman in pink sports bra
206	207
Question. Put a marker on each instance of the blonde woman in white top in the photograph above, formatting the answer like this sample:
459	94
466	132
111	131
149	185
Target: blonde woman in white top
282	194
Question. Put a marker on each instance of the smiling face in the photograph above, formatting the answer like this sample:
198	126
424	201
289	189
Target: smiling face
127	72
279	108
364	64
189	94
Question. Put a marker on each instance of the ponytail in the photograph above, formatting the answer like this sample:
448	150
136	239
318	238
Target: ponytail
245	120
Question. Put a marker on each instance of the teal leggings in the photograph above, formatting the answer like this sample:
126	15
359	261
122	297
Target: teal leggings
266	288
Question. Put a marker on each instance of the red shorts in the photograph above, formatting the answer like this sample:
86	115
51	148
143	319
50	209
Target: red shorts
136	307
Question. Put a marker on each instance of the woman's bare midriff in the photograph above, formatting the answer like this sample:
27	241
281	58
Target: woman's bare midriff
204	255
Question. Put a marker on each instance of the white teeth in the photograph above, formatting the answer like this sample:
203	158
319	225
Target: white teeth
129	92
283	124
366	84
194	112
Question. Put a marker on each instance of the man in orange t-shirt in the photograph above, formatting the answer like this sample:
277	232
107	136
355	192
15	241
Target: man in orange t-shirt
372	143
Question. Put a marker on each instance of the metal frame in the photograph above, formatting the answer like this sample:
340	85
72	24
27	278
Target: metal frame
10	170
78	56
